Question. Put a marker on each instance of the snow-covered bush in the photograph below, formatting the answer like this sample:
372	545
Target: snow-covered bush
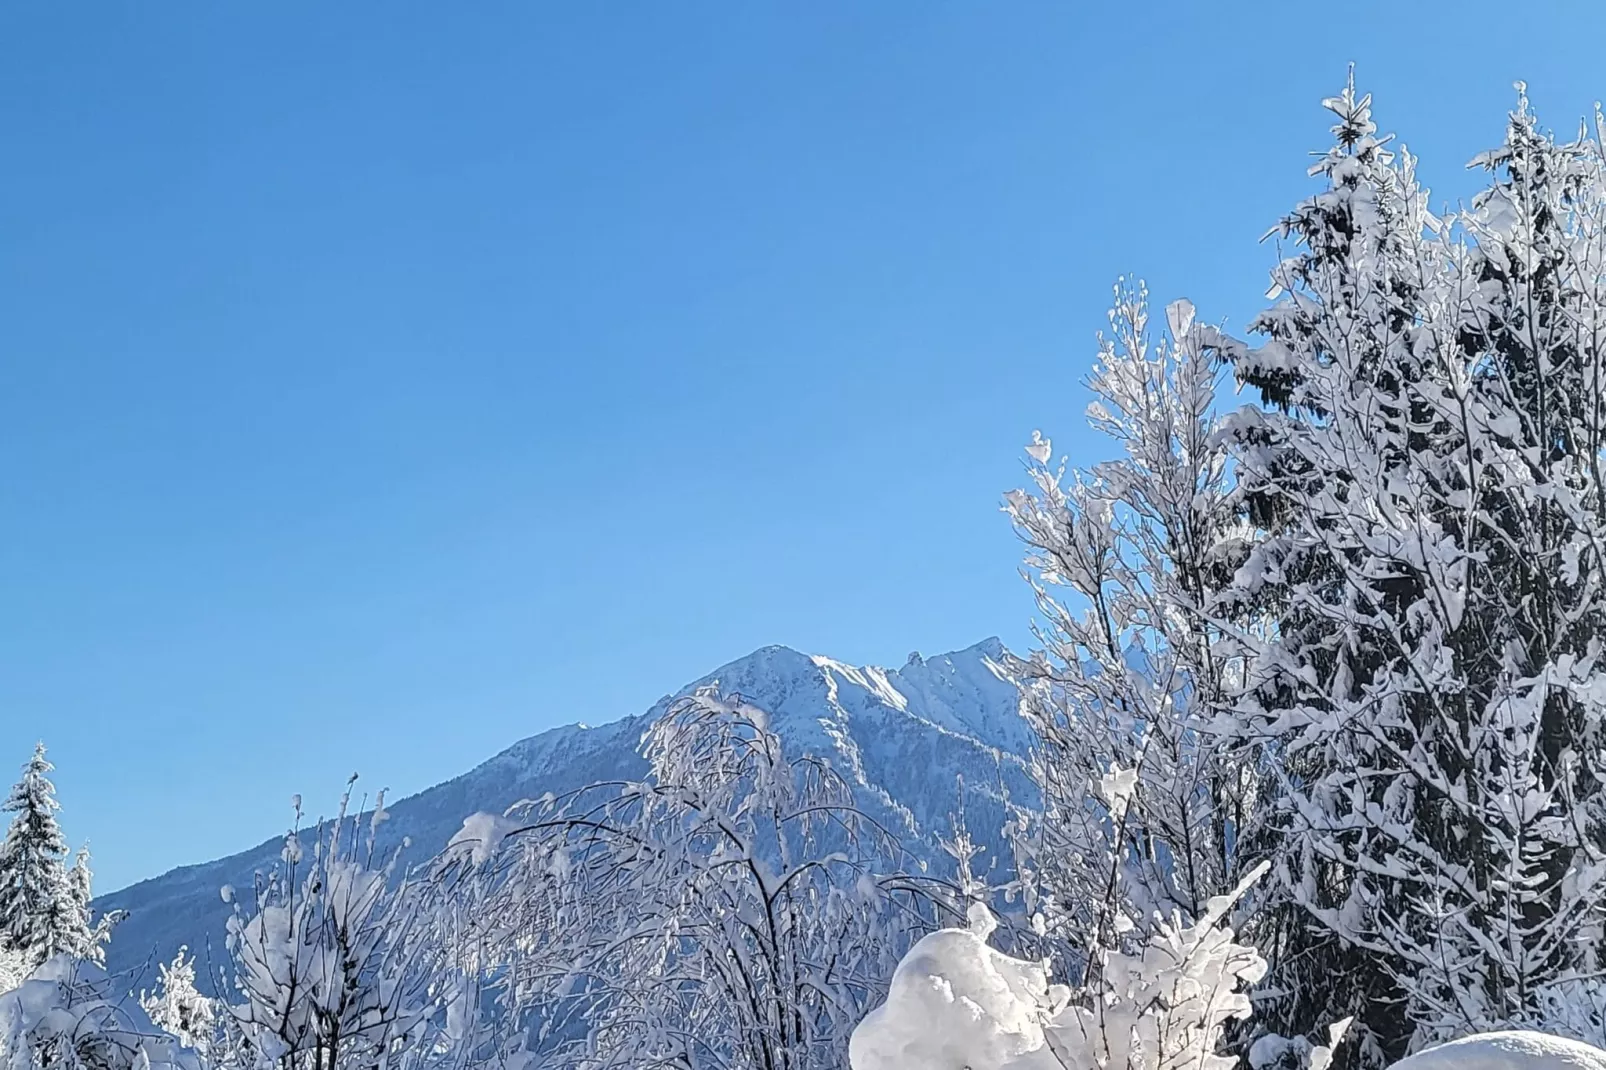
733	910
178	1007
333	959
954	1001
1126	557
68	1015
957	1003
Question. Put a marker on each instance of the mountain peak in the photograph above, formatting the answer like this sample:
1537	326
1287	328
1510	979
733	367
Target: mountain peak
991	647
903	739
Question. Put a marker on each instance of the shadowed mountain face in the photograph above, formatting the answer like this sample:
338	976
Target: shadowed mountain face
902	737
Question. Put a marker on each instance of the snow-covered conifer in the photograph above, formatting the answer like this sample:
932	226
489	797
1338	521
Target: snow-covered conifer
90	935
1426	474
80	880
40	915
13	969
1343	353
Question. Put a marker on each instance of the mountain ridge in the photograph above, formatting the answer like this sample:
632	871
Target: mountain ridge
902	737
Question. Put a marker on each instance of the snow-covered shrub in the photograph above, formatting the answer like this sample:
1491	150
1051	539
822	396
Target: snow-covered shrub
732	910
178	1008
333	959
68	1015
957	1003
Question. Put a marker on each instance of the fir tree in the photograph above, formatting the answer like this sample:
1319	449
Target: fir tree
91	937
40	914
1425	473
79	879
1323	467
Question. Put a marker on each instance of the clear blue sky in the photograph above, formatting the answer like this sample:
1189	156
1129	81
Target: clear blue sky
383	383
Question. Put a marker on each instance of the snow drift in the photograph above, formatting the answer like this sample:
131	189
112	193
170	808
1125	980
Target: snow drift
1510	1050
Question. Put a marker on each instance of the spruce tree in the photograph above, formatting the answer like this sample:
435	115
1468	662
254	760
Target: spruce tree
1336	428
1425	472
1532	338
40	915
90	938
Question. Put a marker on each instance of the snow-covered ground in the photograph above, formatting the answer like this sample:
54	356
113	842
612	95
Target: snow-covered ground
1512	1050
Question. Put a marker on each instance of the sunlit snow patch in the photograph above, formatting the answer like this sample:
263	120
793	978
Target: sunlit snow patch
1512	1050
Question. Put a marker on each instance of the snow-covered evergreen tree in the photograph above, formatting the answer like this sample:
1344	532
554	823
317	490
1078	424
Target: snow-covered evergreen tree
40	915
80	880
14	968
94	933
1333	373
1425	471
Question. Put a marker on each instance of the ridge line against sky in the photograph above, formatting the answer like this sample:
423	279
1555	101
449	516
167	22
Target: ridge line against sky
319	808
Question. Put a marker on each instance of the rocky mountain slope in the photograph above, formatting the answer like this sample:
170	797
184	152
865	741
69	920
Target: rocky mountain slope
904	738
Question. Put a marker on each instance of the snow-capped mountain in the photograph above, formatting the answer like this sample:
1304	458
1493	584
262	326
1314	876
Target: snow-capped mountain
903	737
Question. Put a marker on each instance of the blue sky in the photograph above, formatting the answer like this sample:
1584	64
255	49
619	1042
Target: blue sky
383	383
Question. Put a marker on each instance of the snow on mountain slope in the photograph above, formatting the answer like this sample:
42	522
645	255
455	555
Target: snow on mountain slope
903	738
